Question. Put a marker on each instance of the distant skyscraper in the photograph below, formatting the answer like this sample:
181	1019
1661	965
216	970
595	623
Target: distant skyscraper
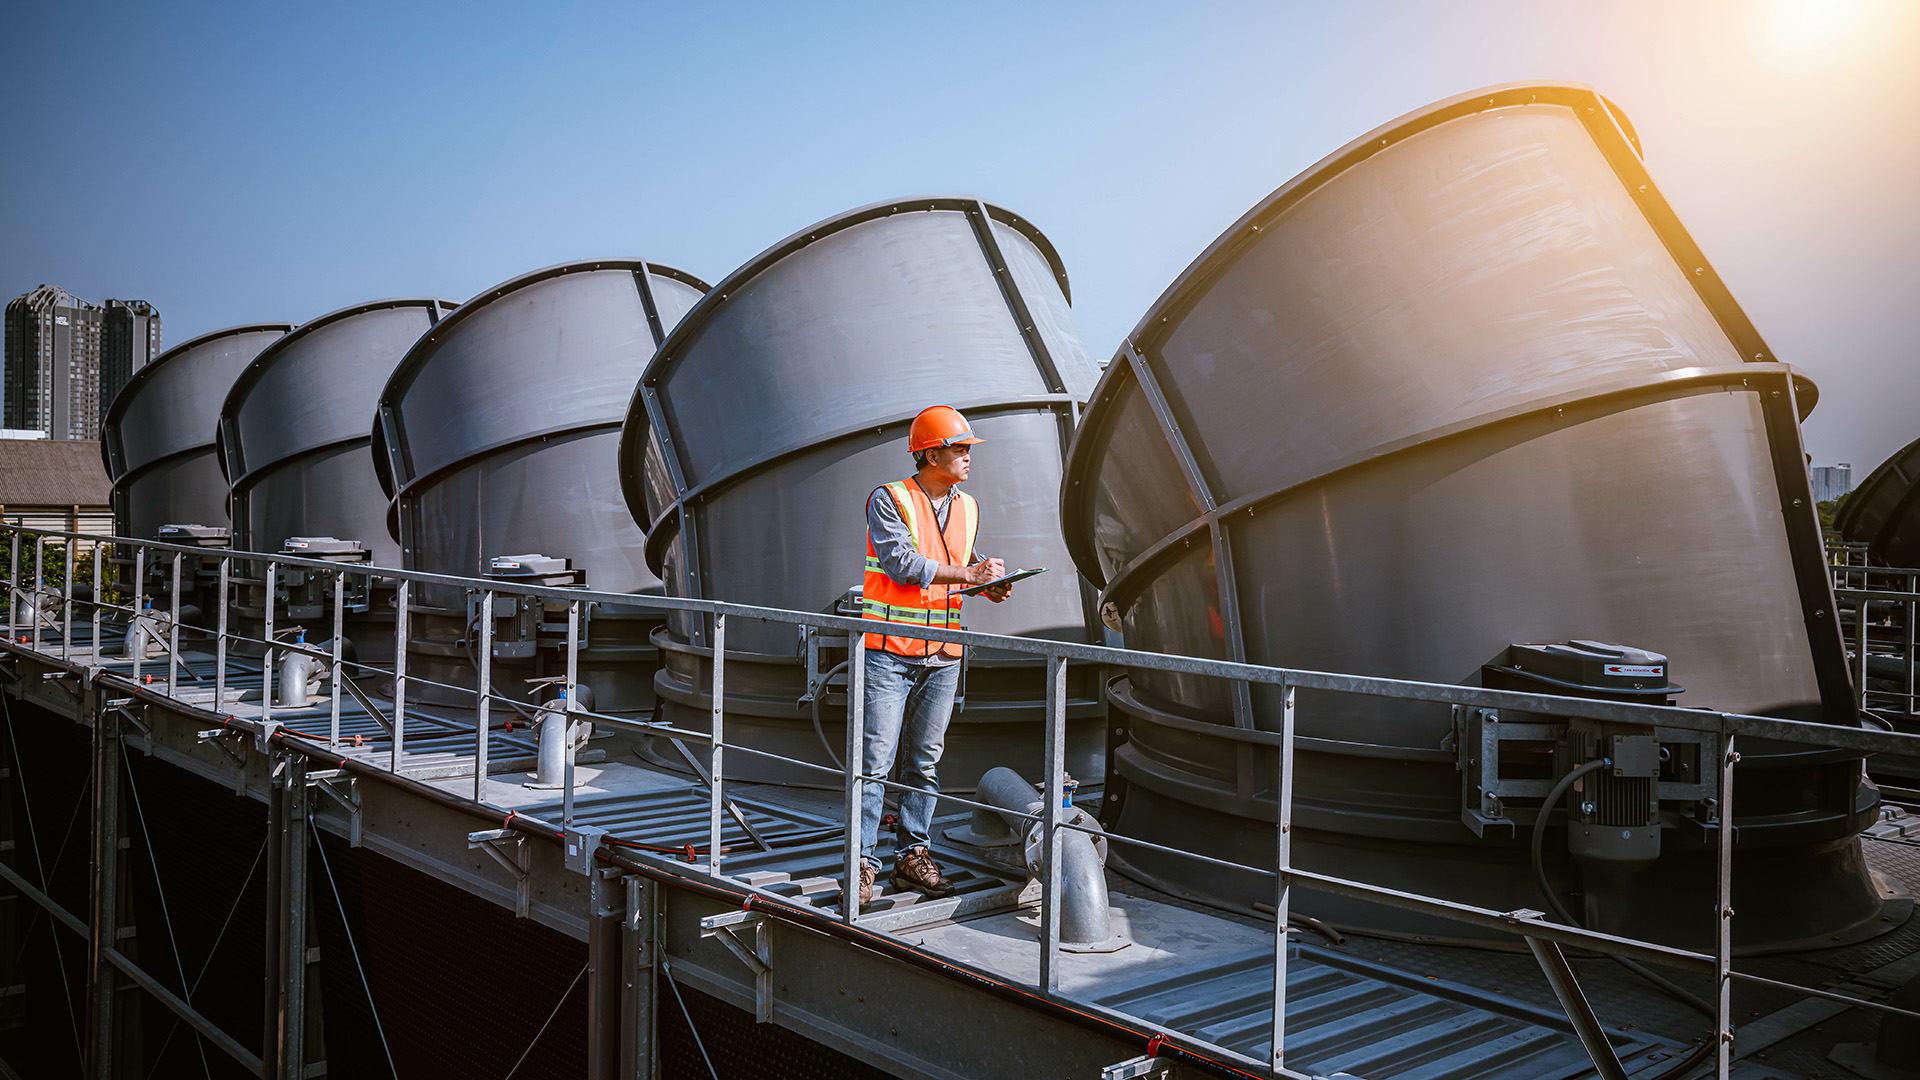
1831	481
54	378
129	337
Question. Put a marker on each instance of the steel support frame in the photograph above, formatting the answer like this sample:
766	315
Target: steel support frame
103	892
289	1023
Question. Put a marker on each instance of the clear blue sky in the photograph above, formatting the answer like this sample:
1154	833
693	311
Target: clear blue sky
277	161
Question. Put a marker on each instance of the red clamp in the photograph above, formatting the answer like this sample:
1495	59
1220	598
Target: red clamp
747	904
890	819
509	725
1154	1044
692	856
511	814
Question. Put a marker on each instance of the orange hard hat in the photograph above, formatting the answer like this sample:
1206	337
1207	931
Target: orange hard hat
939	425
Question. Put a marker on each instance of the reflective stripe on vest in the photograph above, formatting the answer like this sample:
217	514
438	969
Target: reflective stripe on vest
888	601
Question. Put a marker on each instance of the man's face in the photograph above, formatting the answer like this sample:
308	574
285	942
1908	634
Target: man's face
954	461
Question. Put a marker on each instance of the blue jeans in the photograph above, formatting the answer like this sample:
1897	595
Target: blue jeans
907	707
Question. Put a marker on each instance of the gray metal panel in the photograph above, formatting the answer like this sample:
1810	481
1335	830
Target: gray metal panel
559	495
170	408
496	435
187	489
1880	511
786	395
1465	383
546	359
293	430
326	492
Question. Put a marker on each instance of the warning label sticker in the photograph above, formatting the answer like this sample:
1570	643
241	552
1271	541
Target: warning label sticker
1649	670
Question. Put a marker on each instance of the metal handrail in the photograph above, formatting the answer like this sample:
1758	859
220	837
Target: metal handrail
1057	655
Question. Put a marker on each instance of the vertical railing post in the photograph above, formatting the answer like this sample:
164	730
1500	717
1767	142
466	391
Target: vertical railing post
1906	651
220	636
856	744
139	608
1283	876
39	586
266	666
567	704
173	626
1056	750
483	698
66	605
13	588
99	598
402	596
335	685
717	768
1860	608
1723	952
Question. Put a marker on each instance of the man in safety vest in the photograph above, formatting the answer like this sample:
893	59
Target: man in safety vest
919	549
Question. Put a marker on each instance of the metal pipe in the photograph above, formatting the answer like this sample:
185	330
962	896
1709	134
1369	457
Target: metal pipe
1081	915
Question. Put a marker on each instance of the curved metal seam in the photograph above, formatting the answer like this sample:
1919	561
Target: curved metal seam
115	411
404	371
742	471
1182	450
1164	550
646	301
696	319
140	471
333	444
250	374
1140	710
1032	232
494	448
1073	493
1631	171
982	223
1807	552
676	475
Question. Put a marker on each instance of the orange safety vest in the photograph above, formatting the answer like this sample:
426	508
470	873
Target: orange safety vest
888	601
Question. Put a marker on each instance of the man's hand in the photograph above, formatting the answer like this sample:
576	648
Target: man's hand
999	593
986	570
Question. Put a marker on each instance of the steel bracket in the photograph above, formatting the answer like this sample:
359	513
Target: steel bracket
727	928
1146	1065
578	844
219	738
263	739
510	850
341	787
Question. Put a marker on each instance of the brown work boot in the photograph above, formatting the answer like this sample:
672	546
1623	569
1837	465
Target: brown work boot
866	883
916	870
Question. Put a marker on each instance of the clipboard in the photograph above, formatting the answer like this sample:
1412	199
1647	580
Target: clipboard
1007	580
